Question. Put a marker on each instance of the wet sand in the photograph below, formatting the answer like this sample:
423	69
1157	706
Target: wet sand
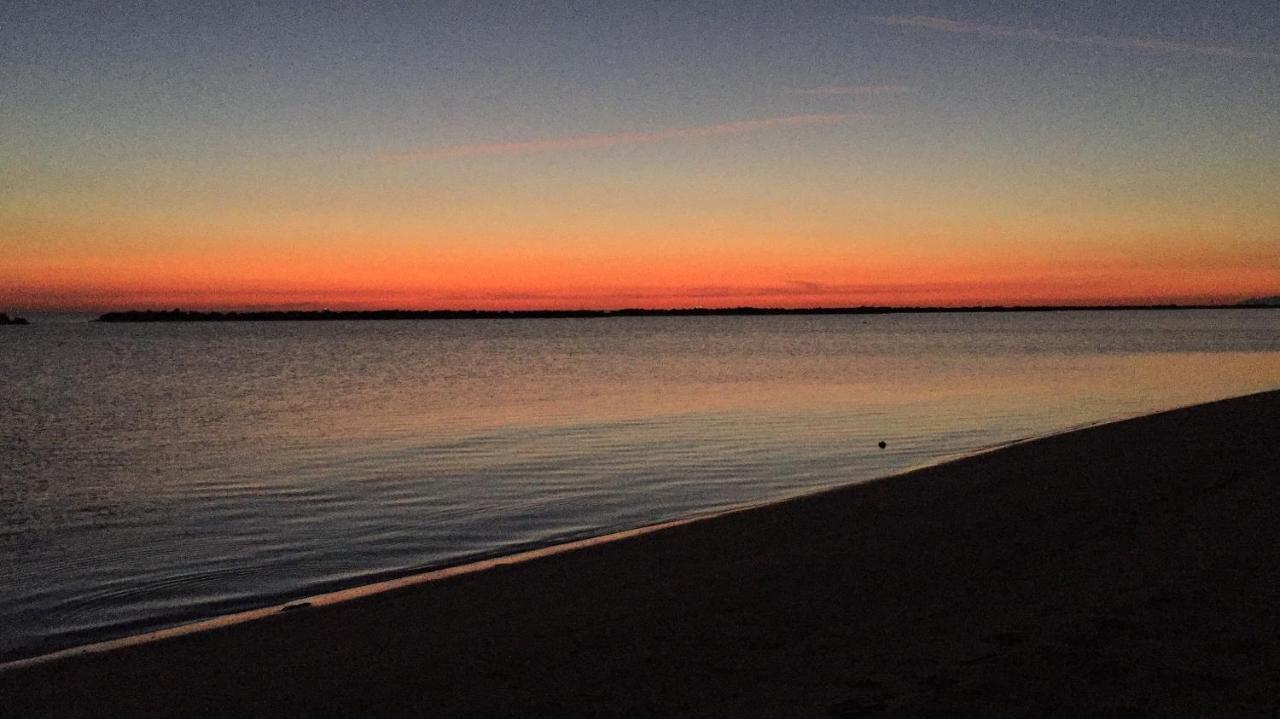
1125	569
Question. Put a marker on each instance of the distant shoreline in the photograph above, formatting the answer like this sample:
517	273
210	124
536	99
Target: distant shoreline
369	315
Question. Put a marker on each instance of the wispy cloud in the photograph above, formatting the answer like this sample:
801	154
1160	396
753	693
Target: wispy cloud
856	90
584	142
1122	43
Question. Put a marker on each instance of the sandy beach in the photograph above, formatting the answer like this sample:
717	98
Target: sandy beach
1124	569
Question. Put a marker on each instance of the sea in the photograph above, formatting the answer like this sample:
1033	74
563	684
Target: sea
157	474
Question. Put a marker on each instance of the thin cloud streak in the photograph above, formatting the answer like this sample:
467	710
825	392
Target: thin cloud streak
855	90
585	142
1025	33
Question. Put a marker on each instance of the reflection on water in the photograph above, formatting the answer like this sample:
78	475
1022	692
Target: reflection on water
153	474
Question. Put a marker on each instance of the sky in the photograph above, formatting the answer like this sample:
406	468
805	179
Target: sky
637	154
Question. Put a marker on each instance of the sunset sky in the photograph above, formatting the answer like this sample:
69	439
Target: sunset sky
596	155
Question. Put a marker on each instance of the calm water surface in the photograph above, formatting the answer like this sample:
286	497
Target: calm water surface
156	474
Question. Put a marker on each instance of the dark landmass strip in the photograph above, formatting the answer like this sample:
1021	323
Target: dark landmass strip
7	320
1126	569
332	315
1272	301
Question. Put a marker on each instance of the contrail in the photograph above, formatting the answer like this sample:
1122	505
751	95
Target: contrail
583	142
1025	33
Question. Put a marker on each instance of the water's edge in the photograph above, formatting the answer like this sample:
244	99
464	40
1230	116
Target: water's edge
381	582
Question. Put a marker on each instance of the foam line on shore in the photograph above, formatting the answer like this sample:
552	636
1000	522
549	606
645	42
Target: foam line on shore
363	590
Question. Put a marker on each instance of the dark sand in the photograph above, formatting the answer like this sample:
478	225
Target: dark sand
1127	569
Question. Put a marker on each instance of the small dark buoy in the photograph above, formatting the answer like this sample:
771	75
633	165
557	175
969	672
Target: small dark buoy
883	445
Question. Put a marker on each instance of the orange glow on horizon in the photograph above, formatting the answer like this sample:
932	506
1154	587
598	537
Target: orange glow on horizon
597	259
533	281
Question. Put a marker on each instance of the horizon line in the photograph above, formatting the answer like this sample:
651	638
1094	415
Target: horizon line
181	315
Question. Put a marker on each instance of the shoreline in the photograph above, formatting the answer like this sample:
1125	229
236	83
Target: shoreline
354	592
198	316
398	579
981	569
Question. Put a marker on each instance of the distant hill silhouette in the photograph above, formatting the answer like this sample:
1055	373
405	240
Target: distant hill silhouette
178	315
6	320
